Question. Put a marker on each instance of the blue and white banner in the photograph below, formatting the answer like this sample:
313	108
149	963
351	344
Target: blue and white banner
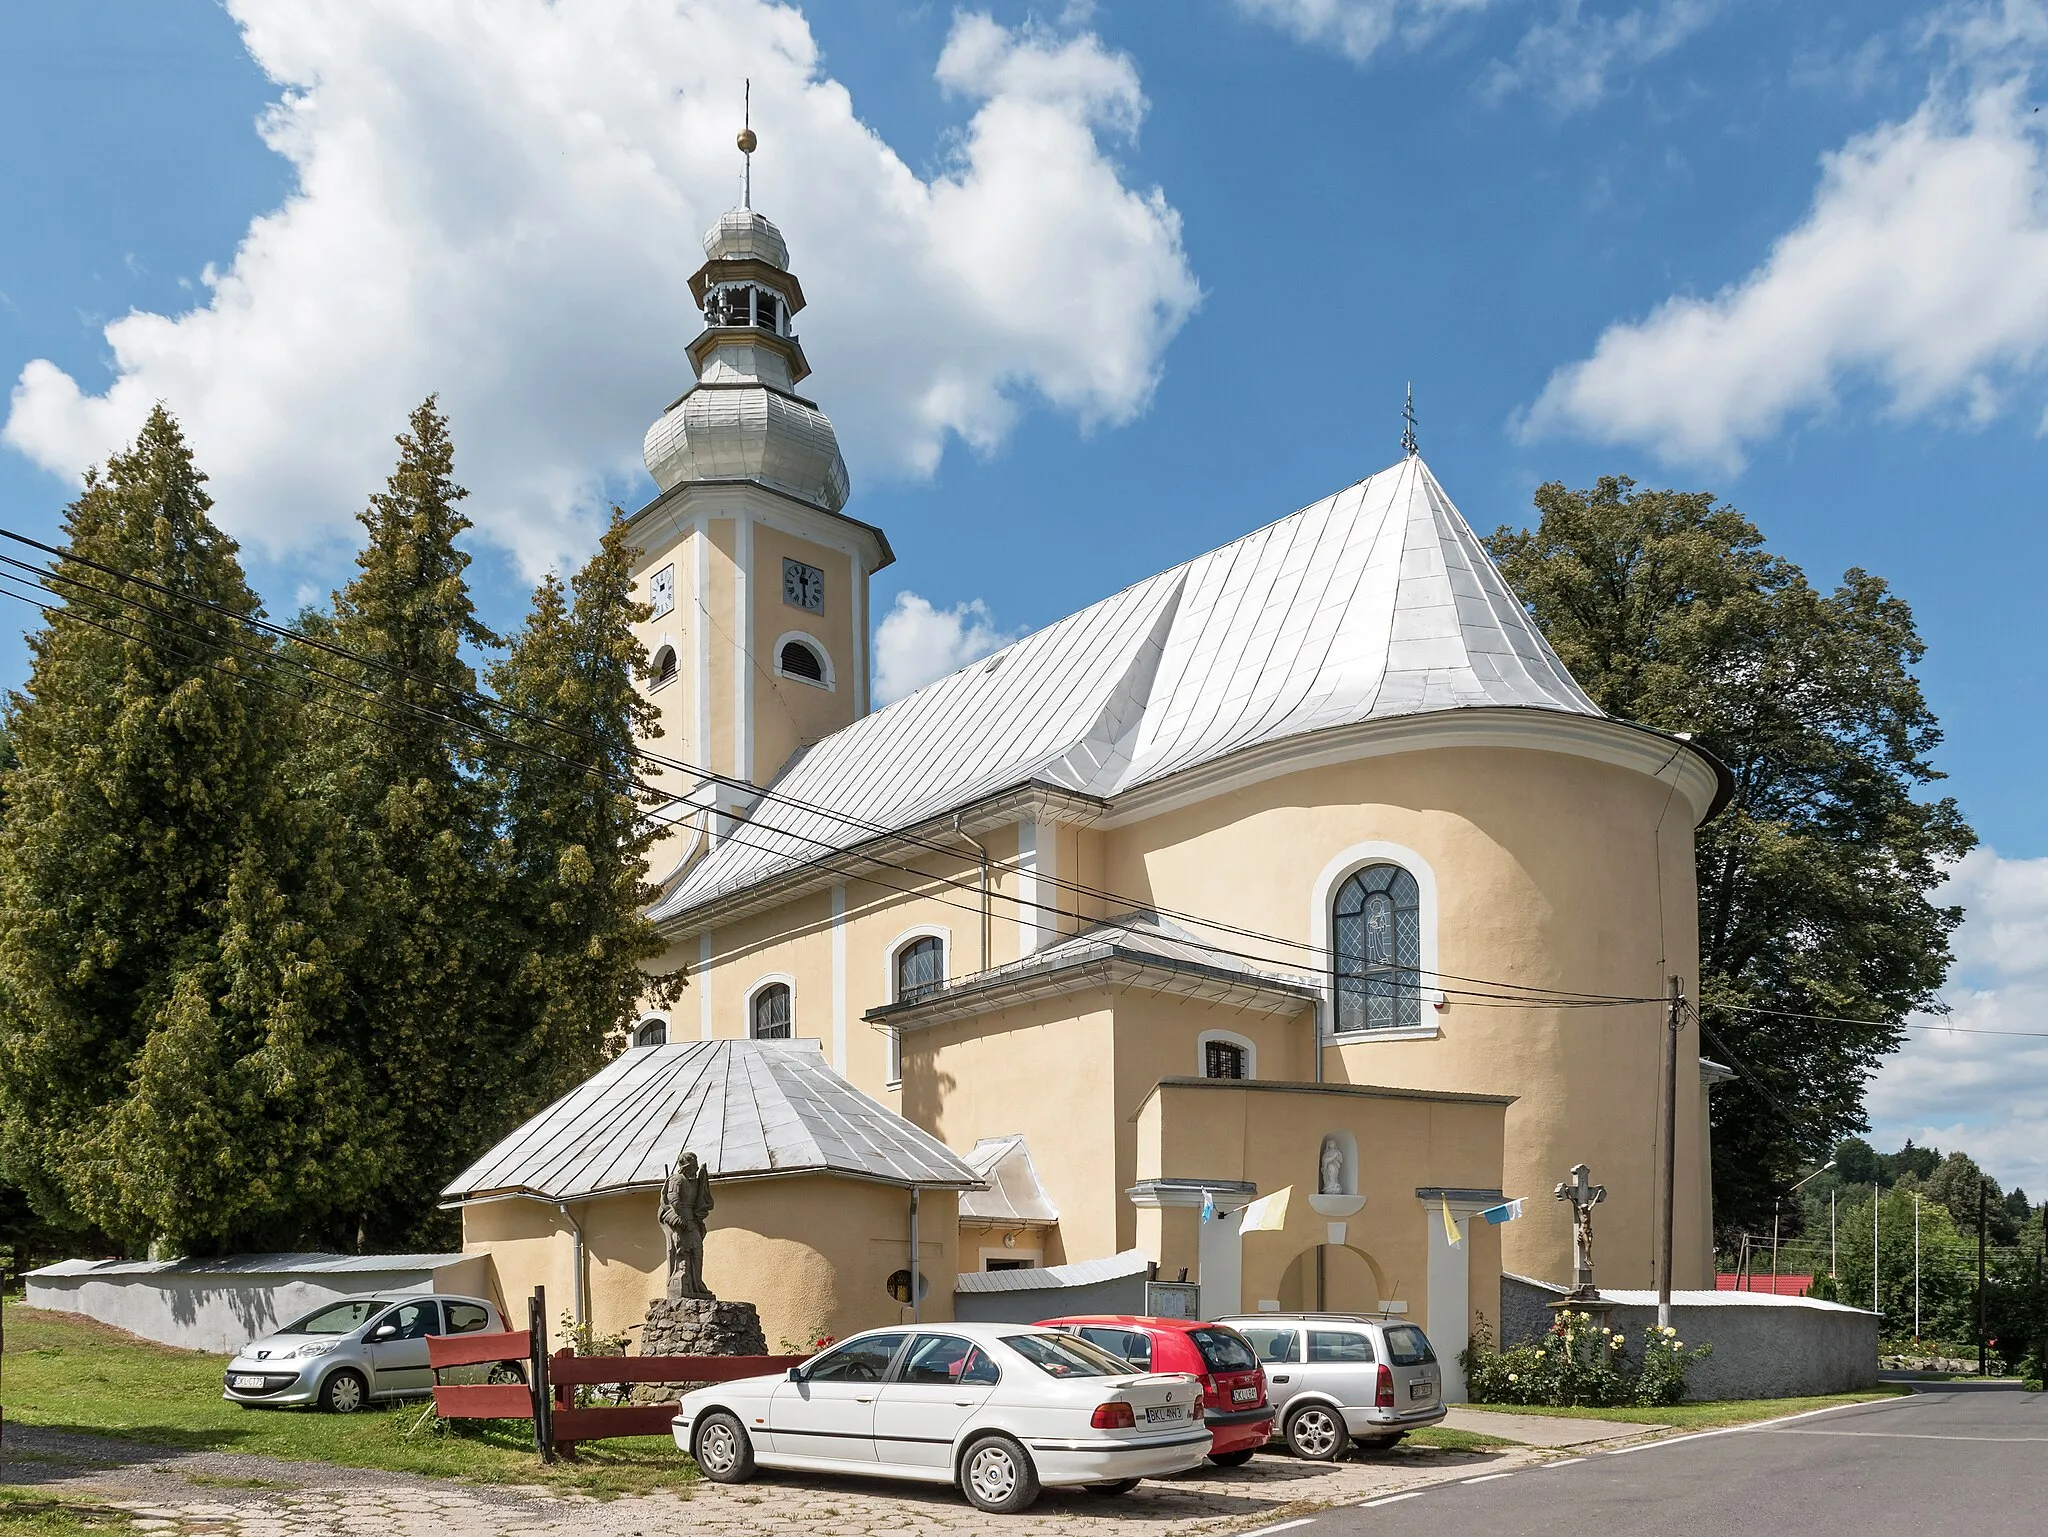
1506	1212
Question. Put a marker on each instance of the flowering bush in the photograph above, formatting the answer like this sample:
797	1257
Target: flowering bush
1579	1363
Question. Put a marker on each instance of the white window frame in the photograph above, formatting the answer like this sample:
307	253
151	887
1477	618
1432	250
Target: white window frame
655	681
770	979
653	1017
830	683
1225	1038
1321	926
893	1070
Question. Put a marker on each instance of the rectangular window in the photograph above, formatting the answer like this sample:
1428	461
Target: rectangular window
1338	1345
1220	1059
1274	1347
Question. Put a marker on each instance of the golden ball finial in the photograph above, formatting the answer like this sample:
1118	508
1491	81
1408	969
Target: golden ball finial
747	142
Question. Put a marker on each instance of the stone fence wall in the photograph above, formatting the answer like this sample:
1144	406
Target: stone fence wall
1764	1346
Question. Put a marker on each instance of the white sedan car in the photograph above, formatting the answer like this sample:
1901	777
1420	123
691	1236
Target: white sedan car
999	1409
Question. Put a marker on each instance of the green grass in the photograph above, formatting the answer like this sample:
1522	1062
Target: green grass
30	1515
1703	1416
1439	1438
67	1373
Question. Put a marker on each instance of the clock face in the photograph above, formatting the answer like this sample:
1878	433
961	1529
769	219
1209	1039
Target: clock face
803	586
661	591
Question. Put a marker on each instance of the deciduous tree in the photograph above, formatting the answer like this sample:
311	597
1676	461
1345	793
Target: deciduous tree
1814	883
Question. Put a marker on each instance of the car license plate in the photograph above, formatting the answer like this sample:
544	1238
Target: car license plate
1162	1416
1420	1389
1244	1395
248	1382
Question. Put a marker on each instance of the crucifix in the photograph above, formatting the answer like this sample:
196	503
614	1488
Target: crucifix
1584	1196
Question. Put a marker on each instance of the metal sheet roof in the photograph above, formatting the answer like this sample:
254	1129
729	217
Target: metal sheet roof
1014	1193
745	1108
1373	603
1053	1277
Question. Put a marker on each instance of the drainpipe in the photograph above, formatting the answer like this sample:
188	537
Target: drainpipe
913	1255
981	849
577	1259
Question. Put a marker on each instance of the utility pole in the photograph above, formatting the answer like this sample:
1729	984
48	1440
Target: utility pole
1831	1233
1777	1209
1980	1278
1916	1267
1675	1013
1873	1250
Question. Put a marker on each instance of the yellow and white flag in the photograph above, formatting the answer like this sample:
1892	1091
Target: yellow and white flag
1268	1214
1450	1223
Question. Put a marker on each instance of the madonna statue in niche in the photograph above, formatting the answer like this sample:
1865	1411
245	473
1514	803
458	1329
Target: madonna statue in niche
1330	1170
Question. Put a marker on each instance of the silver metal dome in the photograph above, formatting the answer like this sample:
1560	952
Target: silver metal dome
741	233
749	432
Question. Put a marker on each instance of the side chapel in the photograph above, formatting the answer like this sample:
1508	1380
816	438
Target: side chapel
1293	866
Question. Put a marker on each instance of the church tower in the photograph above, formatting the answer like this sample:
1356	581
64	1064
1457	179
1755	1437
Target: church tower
757	578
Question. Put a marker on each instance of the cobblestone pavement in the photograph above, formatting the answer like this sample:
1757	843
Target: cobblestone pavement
240	1495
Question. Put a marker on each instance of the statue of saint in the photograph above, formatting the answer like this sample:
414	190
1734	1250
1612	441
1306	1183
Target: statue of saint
1330	1168
685	1207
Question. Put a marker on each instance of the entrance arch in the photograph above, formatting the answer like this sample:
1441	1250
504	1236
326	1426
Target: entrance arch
1353	1281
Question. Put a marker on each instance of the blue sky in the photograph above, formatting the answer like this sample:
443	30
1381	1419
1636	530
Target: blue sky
1259	219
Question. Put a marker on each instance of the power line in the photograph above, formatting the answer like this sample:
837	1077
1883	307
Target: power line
876	829
1499	992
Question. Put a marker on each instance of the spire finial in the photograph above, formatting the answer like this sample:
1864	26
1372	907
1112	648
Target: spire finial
748	144
1408	444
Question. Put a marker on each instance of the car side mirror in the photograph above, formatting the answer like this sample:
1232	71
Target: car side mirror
384	1332
796	1374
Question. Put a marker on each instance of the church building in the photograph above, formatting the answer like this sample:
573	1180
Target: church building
1303	865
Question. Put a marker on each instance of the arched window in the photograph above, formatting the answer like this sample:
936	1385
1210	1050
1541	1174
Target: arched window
663	667
1223	1059
770	1020
800	661
651	1031
920	968
1376	950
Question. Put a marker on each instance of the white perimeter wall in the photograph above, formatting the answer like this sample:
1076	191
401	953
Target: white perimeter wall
220	1313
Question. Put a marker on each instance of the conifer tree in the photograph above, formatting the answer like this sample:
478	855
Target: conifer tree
575	830
401	769
144	827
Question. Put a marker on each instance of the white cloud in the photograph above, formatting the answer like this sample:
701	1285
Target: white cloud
502	203
916	644
1984	1094
1570	63
1358	28
1921	268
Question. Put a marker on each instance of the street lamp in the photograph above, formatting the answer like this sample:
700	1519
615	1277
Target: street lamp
1777	1208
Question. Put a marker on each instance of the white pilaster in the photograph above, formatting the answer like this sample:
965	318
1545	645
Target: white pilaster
839	980
700	626
1449	1321
743	646
704	986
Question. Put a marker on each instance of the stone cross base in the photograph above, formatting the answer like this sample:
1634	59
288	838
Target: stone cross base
702	1326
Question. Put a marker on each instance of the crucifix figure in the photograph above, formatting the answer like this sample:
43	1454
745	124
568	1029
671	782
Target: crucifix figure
685	1206
1584	1196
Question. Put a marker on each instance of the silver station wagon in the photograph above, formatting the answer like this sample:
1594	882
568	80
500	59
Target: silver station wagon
1339	1378
344	1354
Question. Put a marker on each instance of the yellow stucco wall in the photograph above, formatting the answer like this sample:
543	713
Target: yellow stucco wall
813	1253
788	712
1551	870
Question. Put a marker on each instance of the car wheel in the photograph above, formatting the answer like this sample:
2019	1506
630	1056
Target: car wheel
1236	1459
344	1393
1316	1432
996	1475
1111	1490
1380	1443
723	1451
506	1372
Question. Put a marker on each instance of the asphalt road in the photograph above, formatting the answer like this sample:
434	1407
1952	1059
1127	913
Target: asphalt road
1968	1462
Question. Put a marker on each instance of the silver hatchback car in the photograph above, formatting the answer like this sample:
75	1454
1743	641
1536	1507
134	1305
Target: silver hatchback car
1339	1378
344	1354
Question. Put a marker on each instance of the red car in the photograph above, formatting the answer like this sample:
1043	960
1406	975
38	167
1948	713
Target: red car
1233	1384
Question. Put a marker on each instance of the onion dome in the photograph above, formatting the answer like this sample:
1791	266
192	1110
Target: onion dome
743	419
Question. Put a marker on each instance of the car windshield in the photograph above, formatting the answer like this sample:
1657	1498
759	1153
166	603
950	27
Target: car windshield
1060	1355
337	1317
1224	1350
1408	1345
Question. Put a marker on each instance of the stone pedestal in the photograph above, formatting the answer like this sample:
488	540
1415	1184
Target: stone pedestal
696	1326
702	1326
